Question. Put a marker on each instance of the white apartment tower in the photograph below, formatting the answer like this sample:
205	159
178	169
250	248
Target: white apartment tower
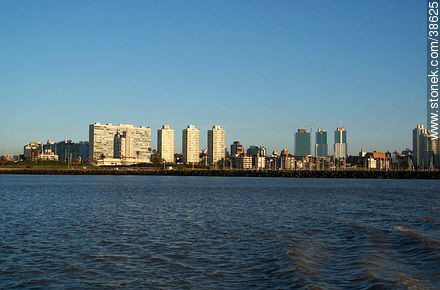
165	143
423	147
119	145
216	144
191	144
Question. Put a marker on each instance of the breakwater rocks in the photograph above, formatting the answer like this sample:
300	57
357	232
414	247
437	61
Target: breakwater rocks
237	173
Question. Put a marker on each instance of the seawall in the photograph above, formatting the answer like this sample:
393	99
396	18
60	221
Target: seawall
236	173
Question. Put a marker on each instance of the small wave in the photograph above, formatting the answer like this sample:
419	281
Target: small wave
425	239
312	287
409	283
432	209
110	256
158	259
124	245
70	269
92	272
107	242
36	282
217	274
427	218
307	256
6	246
177	256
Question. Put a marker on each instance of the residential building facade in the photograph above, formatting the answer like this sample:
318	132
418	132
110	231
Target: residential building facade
165	143
191	144
119	144
216	144
237	149
423	151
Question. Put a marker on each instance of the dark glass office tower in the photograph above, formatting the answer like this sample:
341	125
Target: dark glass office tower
302	143
321	143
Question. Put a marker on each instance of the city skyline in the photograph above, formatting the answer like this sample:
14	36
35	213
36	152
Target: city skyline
253	67
203	144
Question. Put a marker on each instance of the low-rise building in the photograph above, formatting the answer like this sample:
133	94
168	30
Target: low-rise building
31	150
68	151
371	163
242	161
48	155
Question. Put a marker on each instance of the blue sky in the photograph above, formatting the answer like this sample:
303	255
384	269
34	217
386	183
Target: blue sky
257	68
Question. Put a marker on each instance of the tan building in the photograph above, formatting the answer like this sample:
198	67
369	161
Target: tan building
191	144
216	144
165	143
119	145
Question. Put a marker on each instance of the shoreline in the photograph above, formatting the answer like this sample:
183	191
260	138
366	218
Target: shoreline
234	173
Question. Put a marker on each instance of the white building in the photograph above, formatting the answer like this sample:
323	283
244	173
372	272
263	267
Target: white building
119	145
423	148
191	144
32	149
216	144
165	143
371	163
258	162
35	151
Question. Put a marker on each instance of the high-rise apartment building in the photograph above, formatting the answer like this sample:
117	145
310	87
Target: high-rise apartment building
191	144
321	149
340	147
423	149
165	143
302	143
236	148
216	144
119	145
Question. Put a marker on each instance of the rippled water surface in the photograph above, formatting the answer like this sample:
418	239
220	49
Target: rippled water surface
207	232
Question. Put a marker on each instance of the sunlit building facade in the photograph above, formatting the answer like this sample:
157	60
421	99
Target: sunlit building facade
165	143
216	144
119	144
191	144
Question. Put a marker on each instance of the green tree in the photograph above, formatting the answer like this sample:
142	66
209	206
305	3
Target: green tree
155	158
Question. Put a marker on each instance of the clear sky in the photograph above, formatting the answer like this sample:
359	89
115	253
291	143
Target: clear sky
257	68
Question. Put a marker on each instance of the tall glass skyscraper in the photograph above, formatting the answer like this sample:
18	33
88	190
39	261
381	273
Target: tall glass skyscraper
321	149
302	143
340	148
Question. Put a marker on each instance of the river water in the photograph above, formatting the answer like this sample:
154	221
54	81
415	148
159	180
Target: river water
209	232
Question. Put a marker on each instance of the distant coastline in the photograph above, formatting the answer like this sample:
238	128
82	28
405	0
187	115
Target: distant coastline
234	173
